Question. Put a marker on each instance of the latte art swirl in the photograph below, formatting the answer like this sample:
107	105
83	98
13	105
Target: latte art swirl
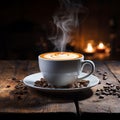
60	55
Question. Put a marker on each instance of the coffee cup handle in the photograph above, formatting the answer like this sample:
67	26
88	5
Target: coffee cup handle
92	65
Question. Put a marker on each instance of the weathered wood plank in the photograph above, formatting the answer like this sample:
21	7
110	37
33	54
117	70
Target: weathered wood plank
114	67
6	73
35	101
11	72
7	70
94	104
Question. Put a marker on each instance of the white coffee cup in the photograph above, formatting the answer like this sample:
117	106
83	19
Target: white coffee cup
63	68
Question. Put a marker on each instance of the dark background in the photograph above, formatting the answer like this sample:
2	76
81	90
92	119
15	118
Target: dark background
25	25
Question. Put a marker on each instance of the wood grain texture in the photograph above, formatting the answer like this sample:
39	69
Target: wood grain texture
37	102
114	67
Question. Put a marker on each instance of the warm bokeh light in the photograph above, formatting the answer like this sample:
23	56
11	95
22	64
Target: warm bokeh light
89	48
101	46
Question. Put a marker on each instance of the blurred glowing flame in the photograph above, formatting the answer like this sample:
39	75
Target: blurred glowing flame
89	48
101	46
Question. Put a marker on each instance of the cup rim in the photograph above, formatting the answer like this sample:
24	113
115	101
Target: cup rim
82	56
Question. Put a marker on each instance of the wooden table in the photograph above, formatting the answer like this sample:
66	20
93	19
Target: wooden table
35	103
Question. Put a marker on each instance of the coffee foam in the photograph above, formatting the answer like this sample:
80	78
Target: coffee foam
60	55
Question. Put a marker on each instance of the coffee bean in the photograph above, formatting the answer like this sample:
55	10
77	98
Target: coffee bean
97	90
108	83
99	82
105	73
118	87
105	87
97	93
113	89
118	95
107	93
108	89
105	77
8	86
14	78
103	92
101	96
100	73
112	85
77	84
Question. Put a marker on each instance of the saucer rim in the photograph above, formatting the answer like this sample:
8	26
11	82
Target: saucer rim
26	80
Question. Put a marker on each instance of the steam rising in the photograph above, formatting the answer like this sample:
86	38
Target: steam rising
66	19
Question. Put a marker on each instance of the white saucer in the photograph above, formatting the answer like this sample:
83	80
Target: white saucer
30	80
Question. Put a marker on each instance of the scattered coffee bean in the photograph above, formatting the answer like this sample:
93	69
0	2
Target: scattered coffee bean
84	82
99	82
97	90
100	73
108	89
103	92
112	85
77	84
107	93
105	87
108	83
42	83
101	96
7	86
105	73
14	78
20	91
113	89
118	87
98	93
105	77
